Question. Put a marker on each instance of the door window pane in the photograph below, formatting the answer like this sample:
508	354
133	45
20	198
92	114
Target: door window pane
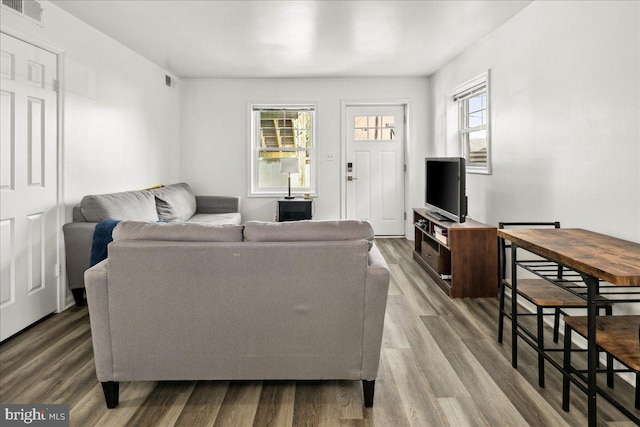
374	128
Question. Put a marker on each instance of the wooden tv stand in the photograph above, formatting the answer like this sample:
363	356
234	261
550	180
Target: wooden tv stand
464	263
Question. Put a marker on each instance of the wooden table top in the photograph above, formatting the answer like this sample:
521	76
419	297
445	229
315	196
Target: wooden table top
608	258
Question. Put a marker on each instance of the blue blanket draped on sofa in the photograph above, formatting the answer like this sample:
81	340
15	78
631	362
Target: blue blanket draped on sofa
101	238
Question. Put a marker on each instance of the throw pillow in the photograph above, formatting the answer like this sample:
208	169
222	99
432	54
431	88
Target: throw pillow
175	202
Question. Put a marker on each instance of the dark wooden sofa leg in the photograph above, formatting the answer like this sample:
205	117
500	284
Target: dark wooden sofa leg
111	393
368	387
78	296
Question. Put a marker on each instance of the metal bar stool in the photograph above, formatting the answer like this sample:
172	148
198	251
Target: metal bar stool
540	292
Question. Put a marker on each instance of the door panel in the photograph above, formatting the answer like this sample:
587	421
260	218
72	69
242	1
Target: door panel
28	185
6	141
389	196
375	149
7	264
362	193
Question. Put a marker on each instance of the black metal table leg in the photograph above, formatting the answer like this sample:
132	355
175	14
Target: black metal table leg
540	340
566	383
592	352
514	308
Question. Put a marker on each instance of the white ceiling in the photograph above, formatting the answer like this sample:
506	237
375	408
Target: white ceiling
215	39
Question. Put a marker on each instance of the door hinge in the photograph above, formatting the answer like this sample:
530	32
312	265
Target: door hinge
405	215
57	270
56	85
405	168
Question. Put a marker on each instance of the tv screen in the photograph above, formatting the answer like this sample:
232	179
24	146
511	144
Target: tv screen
445	193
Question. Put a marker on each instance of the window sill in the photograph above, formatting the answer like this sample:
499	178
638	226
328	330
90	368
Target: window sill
280	195
478	170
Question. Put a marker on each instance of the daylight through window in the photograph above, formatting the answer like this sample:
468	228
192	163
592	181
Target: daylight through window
374	128
282	132
473	118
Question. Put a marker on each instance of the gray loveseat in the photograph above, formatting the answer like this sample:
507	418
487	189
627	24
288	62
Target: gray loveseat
174	202
289	301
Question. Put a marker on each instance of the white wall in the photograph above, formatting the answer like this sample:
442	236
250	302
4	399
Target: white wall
121	123
215	133
565	116
565	111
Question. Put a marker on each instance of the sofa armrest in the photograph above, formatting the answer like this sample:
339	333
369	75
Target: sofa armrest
217	204
98	300
377	261
78	237
77	214
375	302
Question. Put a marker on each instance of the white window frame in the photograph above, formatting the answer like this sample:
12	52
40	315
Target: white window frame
255	149
458	97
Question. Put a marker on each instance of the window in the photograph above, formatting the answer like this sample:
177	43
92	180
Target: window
282	132
374	128
473	124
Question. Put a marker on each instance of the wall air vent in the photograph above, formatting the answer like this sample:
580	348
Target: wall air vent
30	9
170	81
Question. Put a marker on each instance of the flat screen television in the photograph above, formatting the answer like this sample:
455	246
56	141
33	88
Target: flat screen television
445	192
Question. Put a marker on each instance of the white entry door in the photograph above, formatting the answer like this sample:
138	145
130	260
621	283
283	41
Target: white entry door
28	184
375	167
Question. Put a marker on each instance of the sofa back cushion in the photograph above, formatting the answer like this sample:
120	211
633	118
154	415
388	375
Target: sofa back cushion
246	310
130	205
308	231
177	231
175	202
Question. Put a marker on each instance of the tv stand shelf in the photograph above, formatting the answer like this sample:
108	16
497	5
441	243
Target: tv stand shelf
462	258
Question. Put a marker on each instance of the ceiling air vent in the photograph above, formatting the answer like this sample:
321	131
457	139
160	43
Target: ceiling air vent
28	8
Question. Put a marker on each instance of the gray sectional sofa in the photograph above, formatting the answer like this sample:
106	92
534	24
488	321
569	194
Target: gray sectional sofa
289	301
174	202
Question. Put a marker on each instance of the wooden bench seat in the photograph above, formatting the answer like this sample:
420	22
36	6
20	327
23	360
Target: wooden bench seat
545	294
617	335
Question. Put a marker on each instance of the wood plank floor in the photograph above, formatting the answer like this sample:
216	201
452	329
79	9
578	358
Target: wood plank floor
440	365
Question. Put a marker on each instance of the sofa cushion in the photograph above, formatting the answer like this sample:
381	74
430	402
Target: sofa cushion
175	202
177	231
221	218
132	205
306	231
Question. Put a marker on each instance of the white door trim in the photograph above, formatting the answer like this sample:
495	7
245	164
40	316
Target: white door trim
344	104
62	300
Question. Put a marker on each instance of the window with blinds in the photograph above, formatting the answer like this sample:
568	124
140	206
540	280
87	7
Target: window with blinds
282	132
473	124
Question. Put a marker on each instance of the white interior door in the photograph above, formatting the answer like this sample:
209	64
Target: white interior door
375	167
28	184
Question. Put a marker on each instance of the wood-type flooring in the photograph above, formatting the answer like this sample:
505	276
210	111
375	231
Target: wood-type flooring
440	365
